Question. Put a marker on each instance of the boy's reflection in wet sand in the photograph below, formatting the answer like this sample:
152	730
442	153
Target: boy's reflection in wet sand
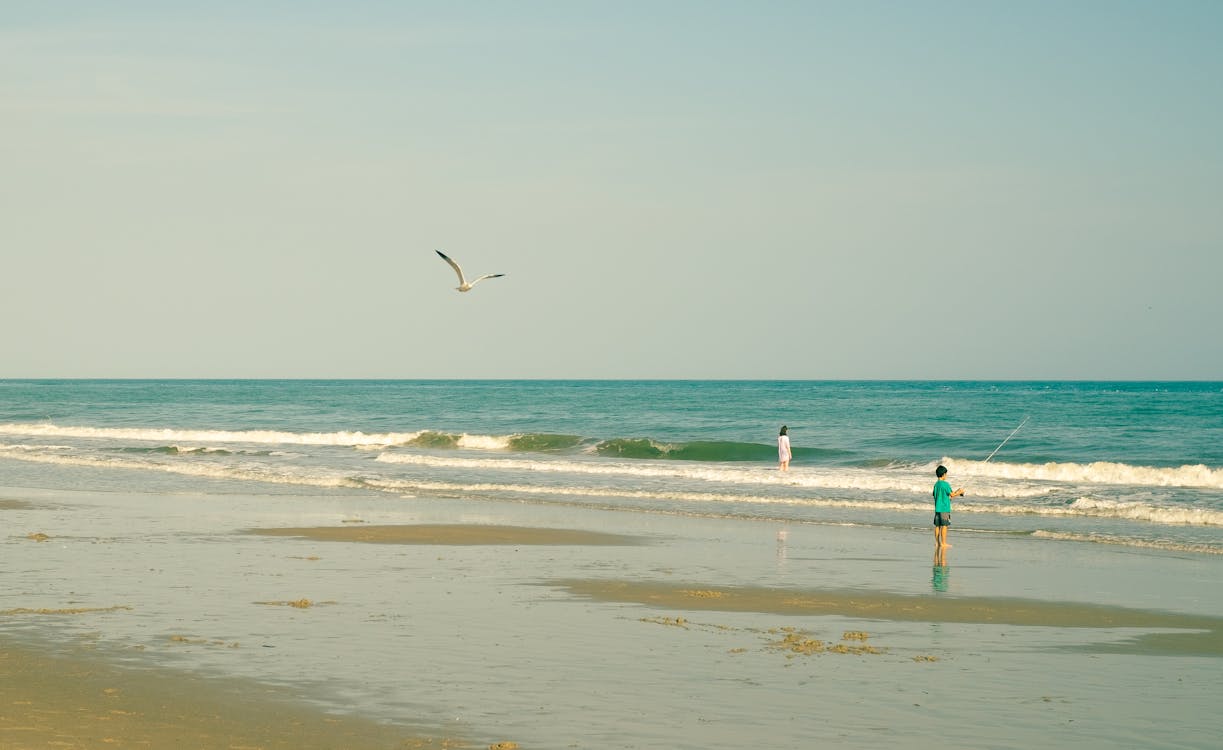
941	571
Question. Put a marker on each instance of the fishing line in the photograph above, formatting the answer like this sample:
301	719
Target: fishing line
1008	437
1004	442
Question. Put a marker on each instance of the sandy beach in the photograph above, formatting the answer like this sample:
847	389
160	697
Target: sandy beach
74	699
137	620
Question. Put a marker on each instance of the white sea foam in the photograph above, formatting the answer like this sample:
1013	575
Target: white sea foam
335	478
248	471
898	480
1143	512
1092	508
24	447
324	478
327	478
502	488
1100	472
178	437
484	442
1161	544
175	436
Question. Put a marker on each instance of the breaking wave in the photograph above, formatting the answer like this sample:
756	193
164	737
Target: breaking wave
1100	472
713	451
825	478
694	451
1160	544
763	487
176	436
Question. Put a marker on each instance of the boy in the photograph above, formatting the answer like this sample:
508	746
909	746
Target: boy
942	507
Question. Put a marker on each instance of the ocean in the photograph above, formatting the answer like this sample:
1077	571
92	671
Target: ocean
1134	464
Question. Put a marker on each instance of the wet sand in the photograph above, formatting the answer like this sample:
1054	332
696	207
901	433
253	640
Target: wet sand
848	603
1202	636
78	700
250	619
1199	635
451	534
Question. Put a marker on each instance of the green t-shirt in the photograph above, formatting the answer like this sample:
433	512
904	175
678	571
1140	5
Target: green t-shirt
942	496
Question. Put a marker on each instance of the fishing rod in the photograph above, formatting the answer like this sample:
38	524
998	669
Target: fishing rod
1008	437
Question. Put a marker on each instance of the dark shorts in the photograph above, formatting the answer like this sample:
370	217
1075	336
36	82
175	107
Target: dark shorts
942	519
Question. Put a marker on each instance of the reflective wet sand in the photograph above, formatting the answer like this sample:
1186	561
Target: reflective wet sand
1200	636
450	534
127	620
77	700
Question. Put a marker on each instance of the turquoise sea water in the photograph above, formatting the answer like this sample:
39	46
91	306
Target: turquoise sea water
1132	464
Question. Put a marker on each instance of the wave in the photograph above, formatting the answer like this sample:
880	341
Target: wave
520	442
331	478
1125	541
32	448
325	477
727	451
328	477
825	478
428	439
700	450
1006	479
544	442
173	436
1143	512
632	448
712	461
1090	508
183	450
1100	472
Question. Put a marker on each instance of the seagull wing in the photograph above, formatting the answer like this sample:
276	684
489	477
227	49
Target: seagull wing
487	276
455	266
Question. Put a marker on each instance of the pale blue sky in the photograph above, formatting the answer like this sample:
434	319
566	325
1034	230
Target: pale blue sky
682	189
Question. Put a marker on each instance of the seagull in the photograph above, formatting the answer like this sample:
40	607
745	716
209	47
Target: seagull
464	285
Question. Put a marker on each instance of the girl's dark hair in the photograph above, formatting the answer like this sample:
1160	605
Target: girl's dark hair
783	430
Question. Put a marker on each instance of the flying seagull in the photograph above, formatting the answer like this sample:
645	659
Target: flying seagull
464	285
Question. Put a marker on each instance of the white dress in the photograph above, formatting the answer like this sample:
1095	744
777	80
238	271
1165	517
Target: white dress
783	447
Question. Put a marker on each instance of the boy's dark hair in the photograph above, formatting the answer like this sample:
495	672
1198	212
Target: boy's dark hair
941	471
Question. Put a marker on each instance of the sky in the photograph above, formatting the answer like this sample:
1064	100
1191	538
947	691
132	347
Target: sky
779	190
